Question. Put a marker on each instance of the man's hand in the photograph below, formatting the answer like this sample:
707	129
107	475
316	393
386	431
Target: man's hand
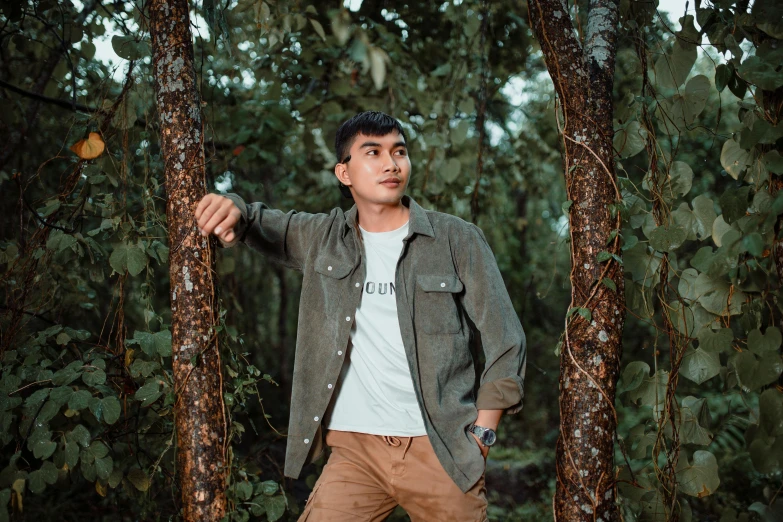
217	214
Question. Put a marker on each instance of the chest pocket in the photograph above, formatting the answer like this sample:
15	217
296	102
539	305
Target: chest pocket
436	304
331	267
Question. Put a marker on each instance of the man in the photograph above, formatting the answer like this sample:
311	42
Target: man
390	298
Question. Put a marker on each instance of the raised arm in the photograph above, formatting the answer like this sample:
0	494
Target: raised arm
284	237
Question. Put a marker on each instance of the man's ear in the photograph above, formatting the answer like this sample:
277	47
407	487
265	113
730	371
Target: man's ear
342	174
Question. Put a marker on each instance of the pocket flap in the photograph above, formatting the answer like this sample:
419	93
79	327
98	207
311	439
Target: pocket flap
332	268
439	283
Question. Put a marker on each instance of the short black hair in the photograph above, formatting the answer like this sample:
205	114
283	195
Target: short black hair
369	123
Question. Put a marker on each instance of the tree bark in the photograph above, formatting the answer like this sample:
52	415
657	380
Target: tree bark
199	413
590	353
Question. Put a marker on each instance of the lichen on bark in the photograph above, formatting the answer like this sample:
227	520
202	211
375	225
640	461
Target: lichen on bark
199	412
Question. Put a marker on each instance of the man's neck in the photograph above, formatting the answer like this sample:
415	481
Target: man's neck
382	218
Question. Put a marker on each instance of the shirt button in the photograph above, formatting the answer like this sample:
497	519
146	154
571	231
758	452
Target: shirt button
329	268
358	285
329	386
443	285
339	352
307	441
315	419
347	318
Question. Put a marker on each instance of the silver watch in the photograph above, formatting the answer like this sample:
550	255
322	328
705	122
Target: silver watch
486	436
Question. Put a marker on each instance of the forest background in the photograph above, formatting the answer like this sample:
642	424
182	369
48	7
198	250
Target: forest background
86	391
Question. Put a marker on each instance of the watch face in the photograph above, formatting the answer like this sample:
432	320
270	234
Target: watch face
488	437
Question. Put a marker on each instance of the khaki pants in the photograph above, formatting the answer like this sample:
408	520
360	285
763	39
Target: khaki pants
367	476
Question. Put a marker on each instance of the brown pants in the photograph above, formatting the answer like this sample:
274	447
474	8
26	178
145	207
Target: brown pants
367	476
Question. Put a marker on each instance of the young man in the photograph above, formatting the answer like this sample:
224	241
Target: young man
390	298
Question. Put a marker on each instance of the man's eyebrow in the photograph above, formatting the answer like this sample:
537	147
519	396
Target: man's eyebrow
368	144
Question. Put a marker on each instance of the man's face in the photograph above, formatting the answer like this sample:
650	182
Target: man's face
378	170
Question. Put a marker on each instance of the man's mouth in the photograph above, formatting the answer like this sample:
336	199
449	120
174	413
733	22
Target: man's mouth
391	182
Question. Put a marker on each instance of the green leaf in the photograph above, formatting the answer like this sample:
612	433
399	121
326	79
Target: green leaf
630	140
698	478
104	466
139	479
722	76
680	179
693	414
734	158
43	449
111	410
633	376
451	170
651	391
268	488
244	490
61	395
716	341
673	68
704	210
773	161
459	133
80	435
148	393
714	295
128	257
609	284
754	372
699	365
128	48
734	203
666	239
93	376
318	28
762	73
275	507
158	343
602	256
79	400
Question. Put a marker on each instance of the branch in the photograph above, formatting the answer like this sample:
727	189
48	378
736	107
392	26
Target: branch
53	101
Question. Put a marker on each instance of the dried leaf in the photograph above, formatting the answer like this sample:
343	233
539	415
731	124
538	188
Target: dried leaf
89	148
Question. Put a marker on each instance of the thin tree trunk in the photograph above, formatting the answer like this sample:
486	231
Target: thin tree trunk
199	412
590	354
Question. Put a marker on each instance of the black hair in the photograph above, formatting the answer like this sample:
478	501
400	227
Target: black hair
369	123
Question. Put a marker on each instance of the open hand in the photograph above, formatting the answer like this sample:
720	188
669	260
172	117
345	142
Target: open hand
219	215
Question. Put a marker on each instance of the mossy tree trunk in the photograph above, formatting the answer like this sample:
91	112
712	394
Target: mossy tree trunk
583	74
199	411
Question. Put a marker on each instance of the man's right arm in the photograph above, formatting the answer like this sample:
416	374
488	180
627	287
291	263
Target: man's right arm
283	237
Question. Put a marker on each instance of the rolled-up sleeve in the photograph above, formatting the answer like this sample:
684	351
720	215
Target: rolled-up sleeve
488	305
283	237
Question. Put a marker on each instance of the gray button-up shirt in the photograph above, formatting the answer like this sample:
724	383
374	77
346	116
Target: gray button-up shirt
447	286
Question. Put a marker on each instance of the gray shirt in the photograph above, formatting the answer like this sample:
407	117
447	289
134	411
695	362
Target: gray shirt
448	286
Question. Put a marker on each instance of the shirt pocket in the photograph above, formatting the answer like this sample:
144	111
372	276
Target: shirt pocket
326	287
436	304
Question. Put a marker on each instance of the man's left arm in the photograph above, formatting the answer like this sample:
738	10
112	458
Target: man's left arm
487	303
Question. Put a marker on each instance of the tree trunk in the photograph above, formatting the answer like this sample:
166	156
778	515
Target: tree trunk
590	352
199	412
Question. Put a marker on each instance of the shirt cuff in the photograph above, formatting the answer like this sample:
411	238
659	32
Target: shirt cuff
503	394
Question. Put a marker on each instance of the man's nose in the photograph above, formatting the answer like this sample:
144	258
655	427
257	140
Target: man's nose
390	164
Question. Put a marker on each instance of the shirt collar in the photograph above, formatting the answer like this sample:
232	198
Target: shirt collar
418	223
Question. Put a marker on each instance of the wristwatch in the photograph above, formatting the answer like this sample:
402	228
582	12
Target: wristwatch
486	436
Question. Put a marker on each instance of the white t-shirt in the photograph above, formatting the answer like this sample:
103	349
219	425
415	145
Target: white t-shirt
375	391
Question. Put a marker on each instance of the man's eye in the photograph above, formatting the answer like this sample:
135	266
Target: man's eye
402	152
372	152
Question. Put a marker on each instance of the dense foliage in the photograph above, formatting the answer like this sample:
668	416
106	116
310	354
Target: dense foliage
86	394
